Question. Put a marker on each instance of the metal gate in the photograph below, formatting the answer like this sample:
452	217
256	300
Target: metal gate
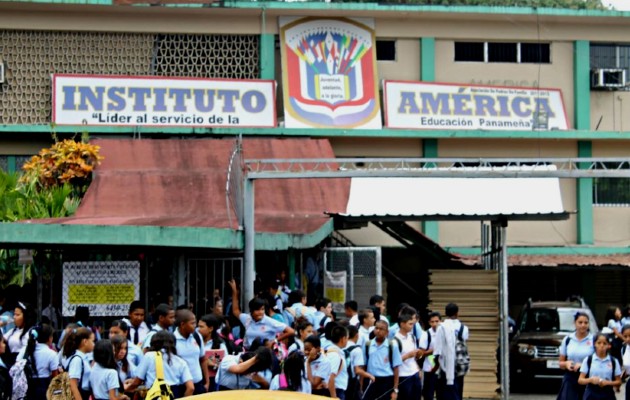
204	276
363	268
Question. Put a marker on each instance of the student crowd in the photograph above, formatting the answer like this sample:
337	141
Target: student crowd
280	344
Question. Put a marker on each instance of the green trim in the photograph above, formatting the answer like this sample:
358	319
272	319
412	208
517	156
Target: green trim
267	56
543	251
291	264
36	235
362	133
581	85
427	59
352	6
119	235
11	164
282	241
431	229
584	200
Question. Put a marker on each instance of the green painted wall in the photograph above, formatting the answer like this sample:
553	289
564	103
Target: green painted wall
267	56
582	93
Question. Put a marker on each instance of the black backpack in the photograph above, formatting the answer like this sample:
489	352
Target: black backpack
353	383
6	384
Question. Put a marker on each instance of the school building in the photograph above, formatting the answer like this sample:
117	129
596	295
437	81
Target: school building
536	83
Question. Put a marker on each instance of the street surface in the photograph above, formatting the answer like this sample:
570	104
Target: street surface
549	391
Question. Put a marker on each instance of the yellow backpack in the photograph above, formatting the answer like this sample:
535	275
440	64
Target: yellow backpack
160	389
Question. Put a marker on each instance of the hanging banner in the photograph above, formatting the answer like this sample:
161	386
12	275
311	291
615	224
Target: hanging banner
329	73
335	288
421	105
106	287
154	101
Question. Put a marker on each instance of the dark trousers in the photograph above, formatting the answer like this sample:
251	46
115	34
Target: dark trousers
410	387
444	391
594	392
459	383
380	388
199	388
341	394
178	391
428	387
40	386
322	392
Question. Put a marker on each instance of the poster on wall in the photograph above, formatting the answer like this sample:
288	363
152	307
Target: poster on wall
335	288
166	102
105	287
423	105
329	73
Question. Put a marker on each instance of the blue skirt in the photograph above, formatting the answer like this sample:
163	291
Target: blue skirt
594	392
571	389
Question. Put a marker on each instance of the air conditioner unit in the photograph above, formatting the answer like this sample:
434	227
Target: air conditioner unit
2	74
608	78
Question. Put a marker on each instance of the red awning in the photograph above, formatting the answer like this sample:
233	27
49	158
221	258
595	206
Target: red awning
182	183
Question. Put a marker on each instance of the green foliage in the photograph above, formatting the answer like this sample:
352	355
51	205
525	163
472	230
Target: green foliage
50	186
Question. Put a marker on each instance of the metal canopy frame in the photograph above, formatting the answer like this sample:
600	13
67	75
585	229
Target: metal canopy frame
572	168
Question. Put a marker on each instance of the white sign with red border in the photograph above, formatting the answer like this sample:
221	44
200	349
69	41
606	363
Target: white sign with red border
156	101
422	105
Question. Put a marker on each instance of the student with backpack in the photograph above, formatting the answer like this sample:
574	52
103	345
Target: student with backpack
356	365
451	355
77	346
625	356
43	361
338	380
176	372
164	317
189	345
293	375
574	348
383	361
409	372
323	315
303	329
104	379
317	366
600	372
24	318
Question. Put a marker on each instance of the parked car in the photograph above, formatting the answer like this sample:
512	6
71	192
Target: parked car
539	331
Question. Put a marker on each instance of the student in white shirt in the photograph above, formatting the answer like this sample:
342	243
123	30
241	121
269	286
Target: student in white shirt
409	373
293	375
44	360
366	321
427	342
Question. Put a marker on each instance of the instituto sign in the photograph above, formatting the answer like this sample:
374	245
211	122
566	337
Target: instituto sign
421	105
154	101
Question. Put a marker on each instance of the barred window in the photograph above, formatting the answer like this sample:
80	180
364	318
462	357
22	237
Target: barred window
610	56
611	191
503	52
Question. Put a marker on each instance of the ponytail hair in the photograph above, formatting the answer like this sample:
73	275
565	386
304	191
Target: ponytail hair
73	340
164	340
212	321
293	370
29	352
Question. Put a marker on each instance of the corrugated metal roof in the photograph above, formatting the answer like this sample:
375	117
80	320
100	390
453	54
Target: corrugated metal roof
455	198
557	260
153	182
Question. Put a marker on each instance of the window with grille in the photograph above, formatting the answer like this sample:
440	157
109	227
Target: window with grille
611	191
503	52
610	56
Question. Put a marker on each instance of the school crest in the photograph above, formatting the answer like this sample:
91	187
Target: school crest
329	73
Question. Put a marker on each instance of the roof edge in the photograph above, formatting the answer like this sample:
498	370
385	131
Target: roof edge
28	234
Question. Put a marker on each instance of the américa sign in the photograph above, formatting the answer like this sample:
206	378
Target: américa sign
422	105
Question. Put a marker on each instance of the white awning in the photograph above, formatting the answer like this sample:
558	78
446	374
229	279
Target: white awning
455	198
